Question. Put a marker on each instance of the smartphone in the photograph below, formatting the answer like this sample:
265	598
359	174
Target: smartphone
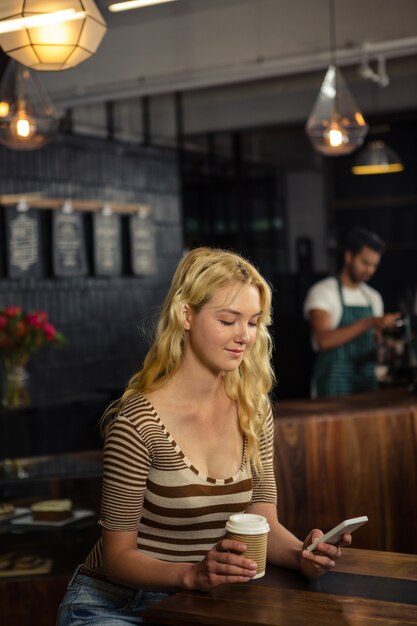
335	534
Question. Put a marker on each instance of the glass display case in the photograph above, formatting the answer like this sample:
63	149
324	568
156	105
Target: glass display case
46	453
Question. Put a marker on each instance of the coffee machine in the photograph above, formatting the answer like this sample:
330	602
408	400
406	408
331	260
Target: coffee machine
397	354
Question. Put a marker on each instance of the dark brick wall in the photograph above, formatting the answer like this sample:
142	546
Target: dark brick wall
105	319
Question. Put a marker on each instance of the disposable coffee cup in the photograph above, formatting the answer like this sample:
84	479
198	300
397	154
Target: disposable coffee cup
252	530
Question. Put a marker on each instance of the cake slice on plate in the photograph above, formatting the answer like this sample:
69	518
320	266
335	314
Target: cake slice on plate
52	510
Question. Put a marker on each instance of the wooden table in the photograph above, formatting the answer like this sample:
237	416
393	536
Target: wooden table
367	588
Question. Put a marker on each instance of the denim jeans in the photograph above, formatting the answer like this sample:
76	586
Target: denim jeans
103	603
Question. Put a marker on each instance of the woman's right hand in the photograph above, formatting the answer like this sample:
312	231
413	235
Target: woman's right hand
224	563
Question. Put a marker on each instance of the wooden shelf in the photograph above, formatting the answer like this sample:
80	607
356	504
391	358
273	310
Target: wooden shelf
37	201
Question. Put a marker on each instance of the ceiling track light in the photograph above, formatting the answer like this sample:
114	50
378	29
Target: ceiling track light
335	126
43	19
379	76
127	5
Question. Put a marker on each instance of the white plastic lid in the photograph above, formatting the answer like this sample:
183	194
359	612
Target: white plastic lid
247	524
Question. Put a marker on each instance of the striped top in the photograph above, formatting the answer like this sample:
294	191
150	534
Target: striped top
150	486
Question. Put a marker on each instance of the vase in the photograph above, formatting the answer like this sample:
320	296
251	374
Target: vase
15	385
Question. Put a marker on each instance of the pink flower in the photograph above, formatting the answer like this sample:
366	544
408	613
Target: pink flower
12	311
22	333
34	319
42	316
50	331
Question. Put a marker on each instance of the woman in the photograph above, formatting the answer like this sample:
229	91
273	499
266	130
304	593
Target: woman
189	443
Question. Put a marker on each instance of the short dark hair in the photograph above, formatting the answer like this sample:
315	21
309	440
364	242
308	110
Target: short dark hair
358	238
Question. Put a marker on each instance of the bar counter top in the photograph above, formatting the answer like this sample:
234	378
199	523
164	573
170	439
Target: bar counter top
346	405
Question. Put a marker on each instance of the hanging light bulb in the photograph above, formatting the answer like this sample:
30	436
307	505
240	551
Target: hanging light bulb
335	126
4	109
22	125
51	34
27	117
334	136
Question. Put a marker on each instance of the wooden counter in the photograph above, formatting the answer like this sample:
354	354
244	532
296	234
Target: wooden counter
346	405
343	457
366	588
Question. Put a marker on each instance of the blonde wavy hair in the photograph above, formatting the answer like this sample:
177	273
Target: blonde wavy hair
199	274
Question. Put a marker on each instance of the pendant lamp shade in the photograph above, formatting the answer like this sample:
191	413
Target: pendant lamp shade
27	118
72	37
336	126
377	158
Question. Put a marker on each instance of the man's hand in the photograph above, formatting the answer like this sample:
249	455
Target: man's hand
386	321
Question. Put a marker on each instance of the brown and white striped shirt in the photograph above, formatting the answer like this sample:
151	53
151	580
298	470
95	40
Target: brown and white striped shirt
150	485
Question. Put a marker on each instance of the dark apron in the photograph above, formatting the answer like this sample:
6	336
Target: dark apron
349	368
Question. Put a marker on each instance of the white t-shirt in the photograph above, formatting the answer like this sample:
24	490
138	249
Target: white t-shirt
325	296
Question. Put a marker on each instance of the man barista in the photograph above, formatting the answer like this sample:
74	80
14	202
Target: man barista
346	316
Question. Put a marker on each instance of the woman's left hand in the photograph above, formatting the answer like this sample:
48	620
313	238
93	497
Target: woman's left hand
324	557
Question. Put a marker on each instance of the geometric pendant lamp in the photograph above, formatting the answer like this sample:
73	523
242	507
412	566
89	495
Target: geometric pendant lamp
50	34
27	118
335	126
